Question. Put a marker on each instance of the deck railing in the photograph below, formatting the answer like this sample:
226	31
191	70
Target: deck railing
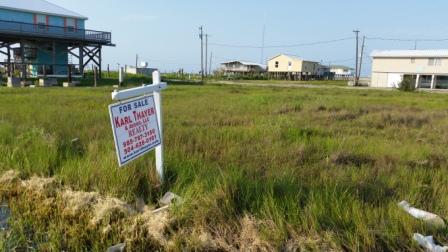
50	31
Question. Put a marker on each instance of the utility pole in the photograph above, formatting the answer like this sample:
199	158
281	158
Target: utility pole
206	55
357	57
415	45
136	61
201	36
362	56
210	66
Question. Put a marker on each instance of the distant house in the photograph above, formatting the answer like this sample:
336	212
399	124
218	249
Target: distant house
143	69
292	67
324	72
342	71
242	68
37	38
140	70
427	68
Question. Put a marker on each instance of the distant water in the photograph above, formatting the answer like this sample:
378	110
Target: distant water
5	213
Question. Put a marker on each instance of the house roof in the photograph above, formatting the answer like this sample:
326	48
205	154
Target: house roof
341	67
247	63
437	53
292	57
39	7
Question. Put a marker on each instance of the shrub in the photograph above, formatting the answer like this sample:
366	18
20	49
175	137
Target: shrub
407	84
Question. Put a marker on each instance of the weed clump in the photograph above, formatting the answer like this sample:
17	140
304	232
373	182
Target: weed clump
406	120
407	84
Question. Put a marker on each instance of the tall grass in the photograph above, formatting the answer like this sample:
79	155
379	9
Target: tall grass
303	163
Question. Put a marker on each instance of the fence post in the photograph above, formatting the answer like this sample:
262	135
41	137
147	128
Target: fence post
158	102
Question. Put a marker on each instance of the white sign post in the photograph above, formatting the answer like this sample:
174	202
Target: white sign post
137	123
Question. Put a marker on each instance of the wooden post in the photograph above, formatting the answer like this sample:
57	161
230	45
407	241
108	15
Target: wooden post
108	71
81	61
95	75
69	74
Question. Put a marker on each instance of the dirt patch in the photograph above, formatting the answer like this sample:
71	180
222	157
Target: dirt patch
9	178
249	239
78	202
90	220
233	122
345	158
404	120
311	242
110	210
44	186
433	161
288	110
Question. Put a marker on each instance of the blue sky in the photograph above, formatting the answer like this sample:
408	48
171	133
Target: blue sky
165	33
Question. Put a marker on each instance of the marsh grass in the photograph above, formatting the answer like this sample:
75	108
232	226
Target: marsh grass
259	168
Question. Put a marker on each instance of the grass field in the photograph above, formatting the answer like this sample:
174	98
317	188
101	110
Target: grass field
321	83
260	169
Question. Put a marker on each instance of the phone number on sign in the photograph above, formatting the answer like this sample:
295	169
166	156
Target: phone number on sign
139	141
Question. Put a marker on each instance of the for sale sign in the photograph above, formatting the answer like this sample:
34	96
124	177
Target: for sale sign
135	128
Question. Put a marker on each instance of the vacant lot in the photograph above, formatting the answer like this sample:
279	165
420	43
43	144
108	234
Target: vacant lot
258	168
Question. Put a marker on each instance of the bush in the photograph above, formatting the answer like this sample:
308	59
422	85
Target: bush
407	84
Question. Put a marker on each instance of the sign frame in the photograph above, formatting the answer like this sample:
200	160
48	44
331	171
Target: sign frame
144	90
121	160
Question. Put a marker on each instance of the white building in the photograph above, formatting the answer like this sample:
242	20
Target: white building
342	71
143	70
428	68
242	67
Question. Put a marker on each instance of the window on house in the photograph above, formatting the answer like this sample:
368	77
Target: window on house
434	62
289	63
412	60
71	24
41	21
276	64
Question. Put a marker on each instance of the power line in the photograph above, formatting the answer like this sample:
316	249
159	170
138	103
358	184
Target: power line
282	46
262	44
407	40
341	60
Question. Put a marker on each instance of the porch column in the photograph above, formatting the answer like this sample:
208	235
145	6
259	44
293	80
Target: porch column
22	58
433	79
53	57
100	63
9	61
417	81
